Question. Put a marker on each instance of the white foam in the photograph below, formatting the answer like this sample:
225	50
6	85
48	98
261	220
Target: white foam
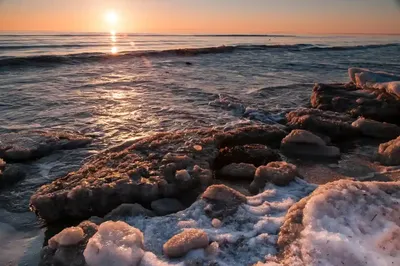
378	80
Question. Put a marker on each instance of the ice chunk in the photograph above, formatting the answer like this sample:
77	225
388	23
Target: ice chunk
115	244
375	80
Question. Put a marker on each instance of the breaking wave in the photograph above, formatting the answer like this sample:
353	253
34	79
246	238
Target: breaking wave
43	60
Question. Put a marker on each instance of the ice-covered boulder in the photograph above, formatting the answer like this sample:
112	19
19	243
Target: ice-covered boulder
302	143
378	80
222	201
32	145
278	173
115	244
237	171
344	223
376	129
348	98
334	125
164	165
182	243
68	237
66	248
389	152
166	206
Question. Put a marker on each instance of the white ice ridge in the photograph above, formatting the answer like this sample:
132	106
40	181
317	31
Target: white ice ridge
365	78
244	238
350	223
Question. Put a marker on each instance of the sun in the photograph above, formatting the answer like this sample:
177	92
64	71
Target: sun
111	17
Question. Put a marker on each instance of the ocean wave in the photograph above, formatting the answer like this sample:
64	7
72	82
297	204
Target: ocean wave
44	60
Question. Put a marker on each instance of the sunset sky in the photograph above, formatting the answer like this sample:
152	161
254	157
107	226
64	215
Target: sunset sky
202	16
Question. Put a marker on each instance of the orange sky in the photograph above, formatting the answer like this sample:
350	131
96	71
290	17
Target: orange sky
206	16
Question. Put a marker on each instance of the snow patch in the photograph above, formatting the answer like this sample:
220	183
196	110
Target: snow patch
243	238
350	223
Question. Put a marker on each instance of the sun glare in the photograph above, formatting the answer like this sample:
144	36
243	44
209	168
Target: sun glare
114	50
112	17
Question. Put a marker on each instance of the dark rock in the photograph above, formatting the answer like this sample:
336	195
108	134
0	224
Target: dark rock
60	255
266	135
255	154
11	174
278	173
389	152
373	104
128	210
375	129
334	125
141	172
2	164
237	171
166	206
302	143
222	201
32	145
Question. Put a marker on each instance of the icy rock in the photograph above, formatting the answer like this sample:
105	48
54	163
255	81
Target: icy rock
182	243
389	152
115	243
128	210
143	170
67	237
334	125
223	201
216	223
376	80
369	102
237	171
304	143
166	206
348	222
376	129
278	173
72	254
255	154
32	145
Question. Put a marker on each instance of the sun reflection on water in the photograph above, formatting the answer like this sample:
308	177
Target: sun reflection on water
113	35
114	49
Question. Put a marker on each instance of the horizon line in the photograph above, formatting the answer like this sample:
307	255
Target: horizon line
51	32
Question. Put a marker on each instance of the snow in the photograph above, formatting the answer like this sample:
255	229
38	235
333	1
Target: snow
67	237
115	244
243	238
375	80
350	223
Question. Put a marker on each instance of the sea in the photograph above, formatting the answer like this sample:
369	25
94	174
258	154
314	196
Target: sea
115	87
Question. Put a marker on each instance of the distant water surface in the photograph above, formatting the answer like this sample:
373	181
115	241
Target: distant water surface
121	86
